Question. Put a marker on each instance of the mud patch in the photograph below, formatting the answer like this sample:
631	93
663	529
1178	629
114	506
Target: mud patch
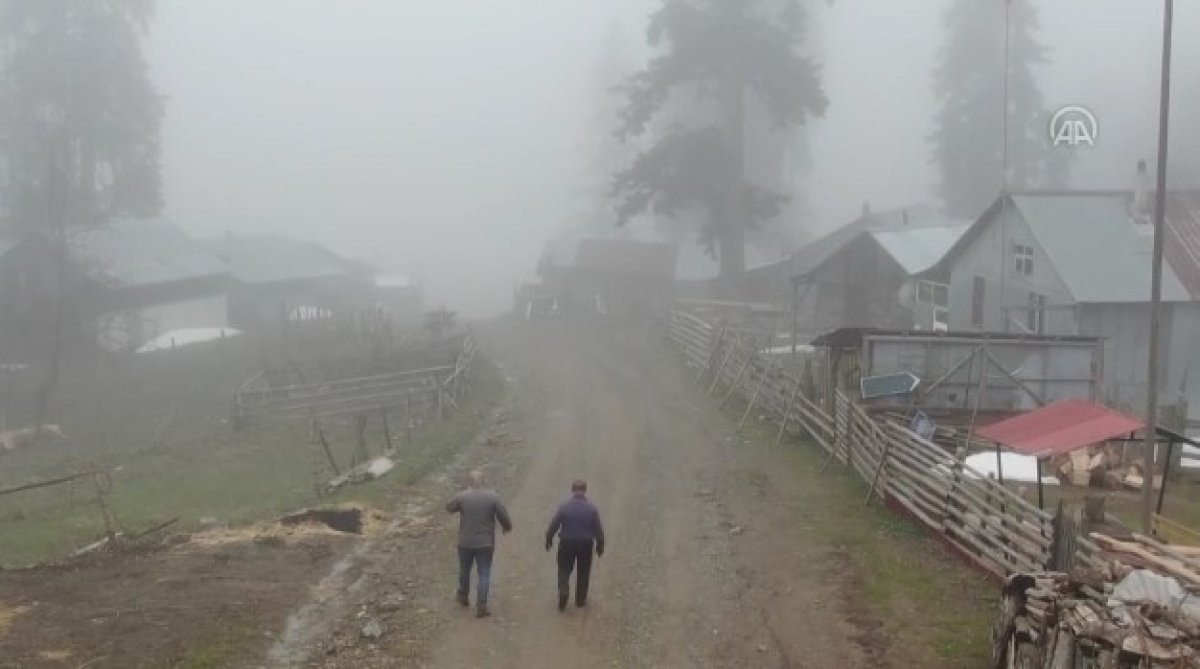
348	520
188	603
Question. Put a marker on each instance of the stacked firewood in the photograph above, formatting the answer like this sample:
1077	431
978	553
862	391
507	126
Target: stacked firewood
1141	610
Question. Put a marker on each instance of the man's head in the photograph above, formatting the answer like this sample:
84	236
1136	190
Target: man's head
475	478
579	487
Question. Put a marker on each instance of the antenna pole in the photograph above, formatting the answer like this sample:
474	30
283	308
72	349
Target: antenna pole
1160	204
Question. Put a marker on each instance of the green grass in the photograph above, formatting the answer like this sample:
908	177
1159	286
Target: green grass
162	425
935	611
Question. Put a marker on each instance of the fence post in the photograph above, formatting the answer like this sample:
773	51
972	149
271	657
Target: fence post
787	412
437	388
387	431
750	355
105	511
761	380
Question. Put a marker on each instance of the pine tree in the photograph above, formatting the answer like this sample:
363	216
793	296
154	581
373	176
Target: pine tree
969	144
722	54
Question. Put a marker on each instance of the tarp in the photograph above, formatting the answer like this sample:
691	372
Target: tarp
1061	427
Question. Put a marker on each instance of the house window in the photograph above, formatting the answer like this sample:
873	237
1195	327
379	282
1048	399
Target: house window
1023	259
977	297
936	298
1035	320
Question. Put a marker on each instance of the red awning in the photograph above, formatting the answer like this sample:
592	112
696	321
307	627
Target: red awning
1060	428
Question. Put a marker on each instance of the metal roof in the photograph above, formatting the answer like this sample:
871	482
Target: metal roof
128	253
272	259
1061	427
916	236
1181	244
919	249
1095	246
848	337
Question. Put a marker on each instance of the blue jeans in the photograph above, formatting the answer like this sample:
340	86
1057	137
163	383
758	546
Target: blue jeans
482	557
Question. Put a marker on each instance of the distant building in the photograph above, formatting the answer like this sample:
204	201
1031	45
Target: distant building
127	281
616	277
278	280
148	277
400	297
876	271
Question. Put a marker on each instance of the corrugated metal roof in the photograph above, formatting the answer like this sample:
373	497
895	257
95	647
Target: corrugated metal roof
1061	427
918	249
1181	245
1097	249
813	255
143	252
917	237
272	259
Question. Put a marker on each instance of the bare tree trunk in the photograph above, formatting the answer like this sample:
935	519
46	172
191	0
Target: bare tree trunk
731	222
57	220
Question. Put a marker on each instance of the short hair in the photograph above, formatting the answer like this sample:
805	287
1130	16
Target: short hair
579	485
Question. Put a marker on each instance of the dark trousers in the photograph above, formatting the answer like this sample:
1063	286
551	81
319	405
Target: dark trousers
574	553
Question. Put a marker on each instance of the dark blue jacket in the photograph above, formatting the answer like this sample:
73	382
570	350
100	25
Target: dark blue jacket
577	519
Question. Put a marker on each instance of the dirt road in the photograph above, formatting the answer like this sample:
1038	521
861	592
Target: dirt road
706	565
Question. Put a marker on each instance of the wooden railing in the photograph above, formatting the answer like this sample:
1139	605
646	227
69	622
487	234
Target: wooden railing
433	389
985	522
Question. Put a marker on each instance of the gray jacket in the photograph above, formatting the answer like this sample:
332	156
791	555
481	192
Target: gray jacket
478	512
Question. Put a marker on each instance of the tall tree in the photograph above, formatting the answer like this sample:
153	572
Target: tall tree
969	83
605	152
726	53
76	100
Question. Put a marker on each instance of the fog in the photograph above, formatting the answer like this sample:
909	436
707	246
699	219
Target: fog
444	139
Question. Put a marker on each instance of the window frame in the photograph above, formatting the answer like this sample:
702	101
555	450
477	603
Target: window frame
1023	259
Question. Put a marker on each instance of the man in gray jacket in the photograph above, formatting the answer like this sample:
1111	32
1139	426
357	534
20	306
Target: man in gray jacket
478	512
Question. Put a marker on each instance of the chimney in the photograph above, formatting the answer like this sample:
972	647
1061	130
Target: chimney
866	209
904	217
1141	194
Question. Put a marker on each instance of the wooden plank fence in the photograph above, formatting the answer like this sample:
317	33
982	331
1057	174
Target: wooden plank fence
437	389
988	524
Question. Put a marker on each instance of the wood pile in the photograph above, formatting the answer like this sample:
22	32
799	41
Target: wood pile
1100	466
1142	609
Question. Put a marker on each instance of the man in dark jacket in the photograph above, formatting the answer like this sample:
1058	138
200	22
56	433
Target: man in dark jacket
579	530
478	512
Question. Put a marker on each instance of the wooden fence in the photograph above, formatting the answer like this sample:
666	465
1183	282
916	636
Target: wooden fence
985	522
434	389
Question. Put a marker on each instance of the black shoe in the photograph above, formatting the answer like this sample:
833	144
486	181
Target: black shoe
580	603
562	602
482	612
462	599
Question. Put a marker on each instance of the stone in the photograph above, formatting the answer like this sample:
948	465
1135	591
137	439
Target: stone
372	630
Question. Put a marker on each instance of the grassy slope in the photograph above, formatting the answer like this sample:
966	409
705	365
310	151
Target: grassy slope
935	611
164	425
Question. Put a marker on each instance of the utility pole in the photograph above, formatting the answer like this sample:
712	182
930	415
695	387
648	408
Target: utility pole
1160	204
